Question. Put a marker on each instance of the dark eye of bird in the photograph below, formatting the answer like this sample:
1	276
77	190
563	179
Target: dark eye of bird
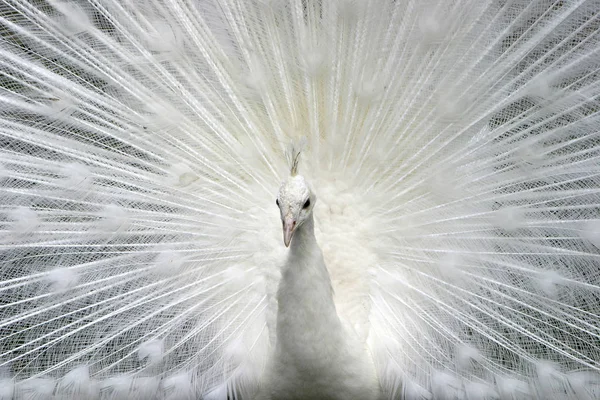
307	204
277	202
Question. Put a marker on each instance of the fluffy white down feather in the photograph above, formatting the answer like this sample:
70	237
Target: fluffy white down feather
453	146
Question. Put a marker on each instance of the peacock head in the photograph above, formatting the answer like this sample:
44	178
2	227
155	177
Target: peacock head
295	201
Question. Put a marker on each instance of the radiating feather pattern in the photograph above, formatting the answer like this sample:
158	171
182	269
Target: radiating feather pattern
453	147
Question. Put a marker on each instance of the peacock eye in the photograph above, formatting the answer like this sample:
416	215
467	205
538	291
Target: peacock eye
307	204
277	202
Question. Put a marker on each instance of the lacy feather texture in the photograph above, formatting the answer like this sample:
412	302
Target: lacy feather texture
450	149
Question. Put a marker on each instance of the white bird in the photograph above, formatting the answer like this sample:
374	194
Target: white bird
315	355
453	251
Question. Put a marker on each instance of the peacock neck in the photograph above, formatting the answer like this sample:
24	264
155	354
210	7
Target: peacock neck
308	327
304	242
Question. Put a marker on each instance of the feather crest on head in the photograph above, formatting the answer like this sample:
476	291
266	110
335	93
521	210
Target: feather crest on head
293	154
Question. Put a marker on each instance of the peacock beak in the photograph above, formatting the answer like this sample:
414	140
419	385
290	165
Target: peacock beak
289	226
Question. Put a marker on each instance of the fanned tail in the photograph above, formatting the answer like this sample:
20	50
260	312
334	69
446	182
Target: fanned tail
454	148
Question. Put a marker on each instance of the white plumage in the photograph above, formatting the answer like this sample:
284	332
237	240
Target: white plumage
453	147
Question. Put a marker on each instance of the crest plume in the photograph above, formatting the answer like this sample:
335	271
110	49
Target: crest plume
293	154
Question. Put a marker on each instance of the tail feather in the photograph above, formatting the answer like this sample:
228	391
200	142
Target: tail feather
455	152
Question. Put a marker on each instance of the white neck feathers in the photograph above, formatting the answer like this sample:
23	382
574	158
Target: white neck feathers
307	322
314	357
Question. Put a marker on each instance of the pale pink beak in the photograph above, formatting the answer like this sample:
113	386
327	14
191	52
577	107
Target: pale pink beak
289	226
